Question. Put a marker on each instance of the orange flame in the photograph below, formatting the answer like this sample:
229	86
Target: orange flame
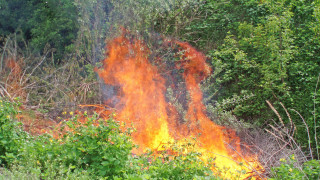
14	80
141	102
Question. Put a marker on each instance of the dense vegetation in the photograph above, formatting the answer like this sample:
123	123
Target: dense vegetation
259	50
90	151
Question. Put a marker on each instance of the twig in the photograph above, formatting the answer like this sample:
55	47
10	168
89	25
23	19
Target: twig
29	75
24	72
275	111
314	116
291	122
252	168
279	131
309	142
298	147
4	49
4	90
277	152
277	137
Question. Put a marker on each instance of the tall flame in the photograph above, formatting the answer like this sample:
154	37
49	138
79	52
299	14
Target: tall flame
141	101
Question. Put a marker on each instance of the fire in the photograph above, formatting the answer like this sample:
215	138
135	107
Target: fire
140	101
15	81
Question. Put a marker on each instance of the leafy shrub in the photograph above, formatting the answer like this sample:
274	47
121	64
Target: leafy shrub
95	149
18	172
169	166
55	24
105	151
287	170
11	133
102	149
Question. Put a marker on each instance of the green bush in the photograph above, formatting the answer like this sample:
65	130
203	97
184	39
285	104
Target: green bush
11	134
102	149
288	170
54	23
95	149
169	166
18	172
105	151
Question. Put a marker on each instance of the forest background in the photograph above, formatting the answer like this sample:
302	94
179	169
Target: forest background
265	55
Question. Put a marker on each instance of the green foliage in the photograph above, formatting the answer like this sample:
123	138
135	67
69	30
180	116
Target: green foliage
18	172
54	23
288	171
14	15
93	24
11	134
147	17
256	61
205	24
216	18
172	164
304	71
102	149
90	150
259	50
45	24
271	55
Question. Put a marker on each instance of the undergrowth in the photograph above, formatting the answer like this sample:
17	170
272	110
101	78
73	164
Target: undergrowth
96	149
288	170
99	149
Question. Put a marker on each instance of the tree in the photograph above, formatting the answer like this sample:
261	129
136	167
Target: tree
54	23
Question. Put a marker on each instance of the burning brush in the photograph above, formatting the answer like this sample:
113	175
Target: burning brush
137	88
